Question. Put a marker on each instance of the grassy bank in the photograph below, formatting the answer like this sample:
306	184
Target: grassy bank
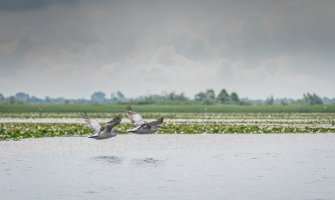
15	131
167	108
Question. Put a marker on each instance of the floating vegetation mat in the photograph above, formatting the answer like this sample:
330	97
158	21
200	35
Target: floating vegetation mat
171	115
17	131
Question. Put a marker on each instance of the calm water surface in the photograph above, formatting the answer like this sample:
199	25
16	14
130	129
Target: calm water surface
262	167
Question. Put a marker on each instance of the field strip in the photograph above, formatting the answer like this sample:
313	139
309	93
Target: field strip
181	121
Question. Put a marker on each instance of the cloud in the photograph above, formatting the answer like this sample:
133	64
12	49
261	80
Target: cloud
254	48
26	5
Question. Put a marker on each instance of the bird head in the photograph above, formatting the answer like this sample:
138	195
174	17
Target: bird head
160	120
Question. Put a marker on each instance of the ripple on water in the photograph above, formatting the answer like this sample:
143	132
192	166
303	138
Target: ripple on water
91	192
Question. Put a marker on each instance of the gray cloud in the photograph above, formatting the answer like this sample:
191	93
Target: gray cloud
167	45
23	5
191	48
13	61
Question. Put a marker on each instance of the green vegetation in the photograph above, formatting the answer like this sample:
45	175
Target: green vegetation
232	128
17	131
187	119
207	97
189	108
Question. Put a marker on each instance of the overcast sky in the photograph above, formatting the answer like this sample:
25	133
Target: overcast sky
257	48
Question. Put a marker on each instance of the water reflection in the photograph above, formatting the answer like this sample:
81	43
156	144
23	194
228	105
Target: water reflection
109	159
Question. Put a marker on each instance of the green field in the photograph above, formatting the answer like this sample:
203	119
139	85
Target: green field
187	108
30	130
179	119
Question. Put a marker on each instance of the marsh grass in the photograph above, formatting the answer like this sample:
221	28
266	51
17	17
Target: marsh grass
216	119
189	108
15	131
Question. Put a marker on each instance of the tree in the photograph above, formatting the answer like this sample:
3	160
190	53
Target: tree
200	96
207	97
223	96
269	101
234	98
176	97
312	99
34	99
98	97
11	100
210	94
2	98
21	96
120	95
117	96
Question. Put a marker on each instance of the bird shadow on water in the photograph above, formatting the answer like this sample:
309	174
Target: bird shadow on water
109	159
138	162
147	162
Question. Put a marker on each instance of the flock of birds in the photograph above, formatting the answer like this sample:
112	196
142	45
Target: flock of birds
109	129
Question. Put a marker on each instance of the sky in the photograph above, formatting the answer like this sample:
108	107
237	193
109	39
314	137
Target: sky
257	48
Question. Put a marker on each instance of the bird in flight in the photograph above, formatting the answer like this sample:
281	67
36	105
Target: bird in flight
103	132
140	126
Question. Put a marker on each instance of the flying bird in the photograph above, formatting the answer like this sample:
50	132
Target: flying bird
140	126
102	132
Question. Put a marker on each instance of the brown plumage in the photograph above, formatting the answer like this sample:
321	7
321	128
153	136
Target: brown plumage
102	132
142	127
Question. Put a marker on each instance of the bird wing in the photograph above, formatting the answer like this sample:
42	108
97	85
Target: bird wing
110	126
93	124
134	117
156	122
134	129
115	121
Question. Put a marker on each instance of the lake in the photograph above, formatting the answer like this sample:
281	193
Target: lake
170	166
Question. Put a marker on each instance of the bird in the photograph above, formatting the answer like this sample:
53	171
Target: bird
103	132
140	126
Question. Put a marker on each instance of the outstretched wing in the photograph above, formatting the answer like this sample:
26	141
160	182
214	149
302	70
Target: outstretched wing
153	123
93	124
115	121
134	117
156	122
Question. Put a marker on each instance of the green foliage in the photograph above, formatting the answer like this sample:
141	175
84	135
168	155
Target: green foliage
269	101
2	98
28	130
207	97
98	97
223	97
233	128
234	98
312	99
17	131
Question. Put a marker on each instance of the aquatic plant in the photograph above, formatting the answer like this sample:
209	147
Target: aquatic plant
17	131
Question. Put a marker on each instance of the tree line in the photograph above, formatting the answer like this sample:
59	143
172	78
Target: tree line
207	97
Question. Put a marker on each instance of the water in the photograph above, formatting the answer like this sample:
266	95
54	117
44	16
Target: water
285	166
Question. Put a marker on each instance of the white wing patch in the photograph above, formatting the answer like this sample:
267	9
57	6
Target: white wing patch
93	124
136	119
